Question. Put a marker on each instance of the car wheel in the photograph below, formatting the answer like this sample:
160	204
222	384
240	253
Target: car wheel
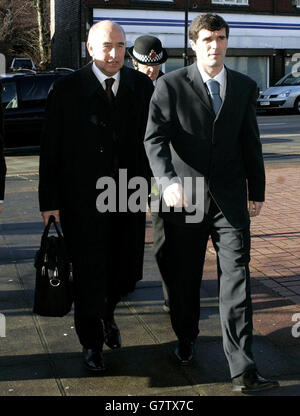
297	105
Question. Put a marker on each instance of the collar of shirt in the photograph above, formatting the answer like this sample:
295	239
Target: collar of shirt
221	78
102	77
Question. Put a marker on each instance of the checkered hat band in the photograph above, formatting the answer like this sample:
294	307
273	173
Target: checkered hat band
147	58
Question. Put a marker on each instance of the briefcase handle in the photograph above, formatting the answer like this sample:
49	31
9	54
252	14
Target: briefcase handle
51	221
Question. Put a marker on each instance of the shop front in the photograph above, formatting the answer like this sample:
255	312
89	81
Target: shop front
262	46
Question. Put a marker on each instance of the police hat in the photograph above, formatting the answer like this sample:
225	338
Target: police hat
148	50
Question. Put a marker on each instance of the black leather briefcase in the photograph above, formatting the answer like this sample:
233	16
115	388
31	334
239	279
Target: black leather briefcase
54	279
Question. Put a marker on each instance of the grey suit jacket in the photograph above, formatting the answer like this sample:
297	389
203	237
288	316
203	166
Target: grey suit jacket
185	139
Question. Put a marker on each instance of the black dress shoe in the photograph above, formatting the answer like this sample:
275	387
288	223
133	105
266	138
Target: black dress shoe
93	360
185	352
251	381
112	336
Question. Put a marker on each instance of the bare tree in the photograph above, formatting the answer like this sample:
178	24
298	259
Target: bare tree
24	29
42	8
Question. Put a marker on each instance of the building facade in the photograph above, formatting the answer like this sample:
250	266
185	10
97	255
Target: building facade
264	40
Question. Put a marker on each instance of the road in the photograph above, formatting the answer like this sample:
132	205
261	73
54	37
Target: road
280	136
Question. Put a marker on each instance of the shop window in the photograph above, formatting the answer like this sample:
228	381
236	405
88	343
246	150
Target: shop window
172	64
256	67
292	64
153	1
288	64
232	2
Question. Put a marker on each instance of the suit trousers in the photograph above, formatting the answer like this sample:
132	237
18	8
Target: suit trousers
186	248
90	329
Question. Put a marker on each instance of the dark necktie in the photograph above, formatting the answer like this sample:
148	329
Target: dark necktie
214	91
110	95
109	83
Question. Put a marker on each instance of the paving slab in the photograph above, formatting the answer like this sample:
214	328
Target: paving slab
32	379
42	356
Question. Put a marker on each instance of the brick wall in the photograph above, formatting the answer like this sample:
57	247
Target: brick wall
65	45
285	6
258	6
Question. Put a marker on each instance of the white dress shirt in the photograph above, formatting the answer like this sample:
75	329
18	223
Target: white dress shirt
221	78
102	77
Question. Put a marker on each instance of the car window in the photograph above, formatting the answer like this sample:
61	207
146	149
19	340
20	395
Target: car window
9	95
22	63
34	89
290	80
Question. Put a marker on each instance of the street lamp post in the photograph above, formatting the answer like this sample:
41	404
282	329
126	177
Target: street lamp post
186	24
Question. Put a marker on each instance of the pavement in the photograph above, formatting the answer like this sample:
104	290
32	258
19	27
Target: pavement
42	356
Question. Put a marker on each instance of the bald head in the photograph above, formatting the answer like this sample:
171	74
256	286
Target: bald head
106	26
106	45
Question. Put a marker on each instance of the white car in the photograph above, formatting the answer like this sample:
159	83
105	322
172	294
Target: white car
284	95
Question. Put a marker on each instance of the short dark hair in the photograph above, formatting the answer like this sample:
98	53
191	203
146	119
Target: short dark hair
209	22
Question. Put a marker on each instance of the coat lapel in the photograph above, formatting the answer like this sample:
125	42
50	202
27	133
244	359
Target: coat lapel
198	86
89	80
124	101
228	105
90	85
126	83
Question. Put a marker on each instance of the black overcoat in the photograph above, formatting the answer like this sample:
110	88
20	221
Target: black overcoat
76	150
2	160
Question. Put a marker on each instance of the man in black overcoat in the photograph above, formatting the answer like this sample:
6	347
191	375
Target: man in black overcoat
95	125
203	144
2	160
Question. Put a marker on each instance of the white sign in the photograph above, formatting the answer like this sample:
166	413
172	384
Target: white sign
2	64
2	326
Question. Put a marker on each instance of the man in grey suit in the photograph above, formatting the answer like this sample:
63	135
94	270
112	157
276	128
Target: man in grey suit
202	126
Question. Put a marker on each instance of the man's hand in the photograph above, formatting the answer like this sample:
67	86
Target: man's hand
254	208
47	214
174	196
